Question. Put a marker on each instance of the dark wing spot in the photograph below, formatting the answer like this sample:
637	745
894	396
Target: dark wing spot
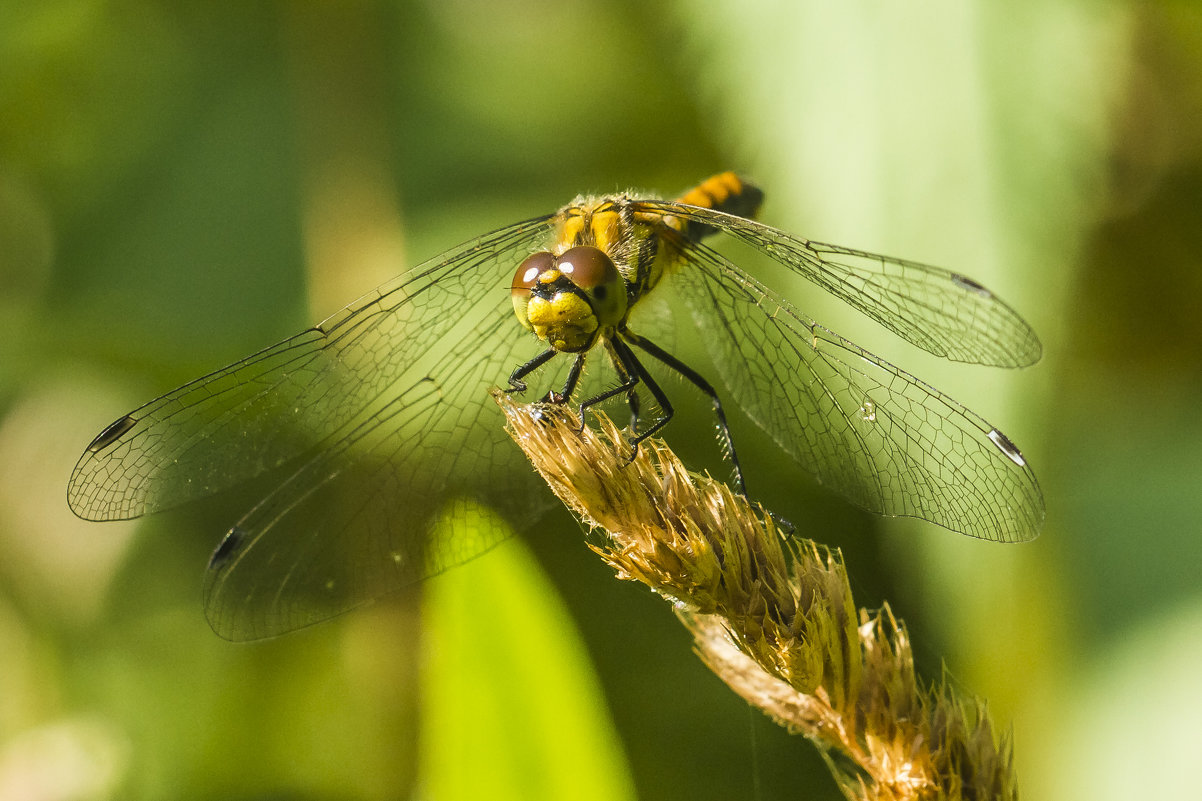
964	282
1007	447
111	434
228	547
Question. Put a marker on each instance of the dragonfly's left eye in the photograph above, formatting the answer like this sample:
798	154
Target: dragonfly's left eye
588	267
594	272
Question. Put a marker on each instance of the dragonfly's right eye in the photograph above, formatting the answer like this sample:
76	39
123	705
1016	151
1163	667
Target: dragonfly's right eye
525	279
530	269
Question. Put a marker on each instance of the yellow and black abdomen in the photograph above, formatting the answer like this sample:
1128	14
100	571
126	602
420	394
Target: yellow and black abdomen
725	192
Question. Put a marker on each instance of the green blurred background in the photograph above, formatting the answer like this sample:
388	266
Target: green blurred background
181	184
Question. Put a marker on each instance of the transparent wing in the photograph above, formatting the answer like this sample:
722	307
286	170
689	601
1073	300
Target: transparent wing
382	505
889	442
942	312
271	407
382	417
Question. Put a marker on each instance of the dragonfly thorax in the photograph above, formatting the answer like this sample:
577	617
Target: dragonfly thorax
570	300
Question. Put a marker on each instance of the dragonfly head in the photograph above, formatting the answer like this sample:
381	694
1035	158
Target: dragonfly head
571	299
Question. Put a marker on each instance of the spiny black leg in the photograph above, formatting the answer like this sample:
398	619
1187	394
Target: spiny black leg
569	386
629	382
516	384
696	380
632	397
632	365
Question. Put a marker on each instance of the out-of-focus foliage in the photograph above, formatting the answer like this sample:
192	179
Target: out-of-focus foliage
510	708
183	183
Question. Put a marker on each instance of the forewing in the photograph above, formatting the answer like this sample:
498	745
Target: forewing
945	313
381	420
271	408
889	442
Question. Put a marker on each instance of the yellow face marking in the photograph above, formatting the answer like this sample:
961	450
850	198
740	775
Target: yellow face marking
566	321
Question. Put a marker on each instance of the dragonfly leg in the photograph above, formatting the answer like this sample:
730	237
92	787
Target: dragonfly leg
696	380
632	396
569	386
633	367
630	380
516	384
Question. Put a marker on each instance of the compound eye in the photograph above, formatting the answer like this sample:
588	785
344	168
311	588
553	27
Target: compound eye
588	267
530	269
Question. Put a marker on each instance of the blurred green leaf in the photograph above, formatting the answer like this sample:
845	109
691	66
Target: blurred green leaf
511	707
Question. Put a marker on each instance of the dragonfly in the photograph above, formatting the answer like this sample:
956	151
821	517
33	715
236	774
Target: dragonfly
378	433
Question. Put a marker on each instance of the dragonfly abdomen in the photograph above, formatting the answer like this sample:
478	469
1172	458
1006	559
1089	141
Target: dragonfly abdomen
725	192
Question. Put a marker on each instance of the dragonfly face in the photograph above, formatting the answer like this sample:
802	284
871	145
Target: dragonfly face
569	300
379	431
